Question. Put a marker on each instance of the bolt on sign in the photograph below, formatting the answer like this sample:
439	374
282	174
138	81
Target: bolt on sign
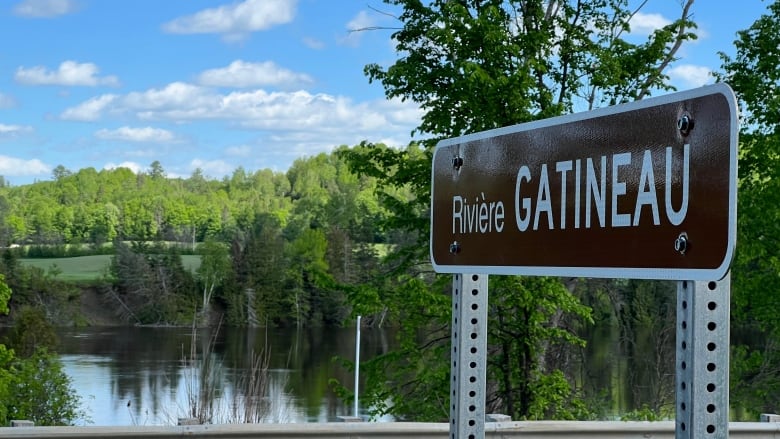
643	190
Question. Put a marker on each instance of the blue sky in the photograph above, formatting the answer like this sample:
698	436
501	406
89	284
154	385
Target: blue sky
215	84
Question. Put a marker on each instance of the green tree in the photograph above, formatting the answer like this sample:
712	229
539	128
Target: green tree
312	182
156	170
5	295
754	74
151	285
476	65
42	392
522	330
60	172
5	229
36	387
312	303
481	64
33	287
213	269
254	292
31	332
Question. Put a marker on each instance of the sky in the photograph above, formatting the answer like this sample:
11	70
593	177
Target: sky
216	84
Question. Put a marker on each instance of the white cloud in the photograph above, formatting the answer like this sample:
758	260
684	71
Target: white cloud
235	20
145	134
44	8
299	119
133	166
69	73
151	152
239	151
247	74
645	24
89	110
313	43
356	27
691	75
299	110
7	101
15	167
12	130
214	168
173	96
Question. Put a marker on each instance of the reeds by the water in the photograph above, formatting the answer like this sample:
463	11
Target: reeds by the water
249	399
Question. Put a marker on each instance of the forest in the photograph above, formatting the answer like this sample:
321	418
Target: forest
288	239
345	233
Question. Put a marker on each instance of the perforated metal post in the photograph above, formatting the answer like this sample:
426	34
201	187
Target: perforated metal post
702	362
469	356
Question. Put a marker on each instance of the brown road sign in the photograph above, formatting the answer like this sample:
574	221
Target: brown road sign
643	190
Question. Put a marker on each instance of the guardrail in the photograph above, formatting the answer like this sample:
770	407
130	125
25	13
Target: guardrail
369	430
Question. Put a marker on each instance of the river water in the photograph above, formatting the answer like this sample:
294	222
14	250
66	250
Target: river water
140	376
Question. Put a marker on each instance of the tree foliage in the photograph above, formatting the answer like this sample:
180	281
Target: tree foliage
213	269
152	286
472	66
5	295
482	64
34	386
41	391
754	74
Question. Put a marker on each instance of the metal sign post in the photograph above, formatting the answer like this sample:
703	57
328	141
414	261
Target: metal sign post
702	363
469	356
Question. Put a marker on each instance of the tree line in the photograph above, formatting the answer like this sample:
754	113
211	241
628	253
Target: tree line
273	245
95	207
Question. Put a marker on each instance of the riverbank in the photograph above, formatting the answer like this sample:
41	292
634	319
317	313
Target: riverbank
94	311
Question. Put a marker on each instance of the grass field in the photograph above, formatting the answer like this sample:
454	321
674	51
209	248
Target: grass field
84	268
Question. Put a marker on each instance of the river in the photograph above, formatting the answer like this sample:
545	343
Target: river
141	376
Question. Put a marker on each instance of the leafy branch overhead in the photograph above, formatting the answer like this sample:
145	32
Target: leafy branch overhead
474	65
477	65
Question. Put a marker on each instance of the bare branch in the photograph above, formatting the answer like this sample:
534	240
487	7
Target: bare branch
383	12
630	16
669	56
367	28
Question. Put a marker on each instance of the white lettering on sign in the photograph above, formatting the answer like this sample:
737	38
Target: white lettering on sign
618	189
595	193
563	168
479	217
545	209
647	197
523	174
677	217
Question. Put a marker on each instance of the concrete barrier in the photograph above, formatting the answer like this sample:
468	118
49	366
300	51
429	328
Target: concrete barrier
770	417
22	423
371	430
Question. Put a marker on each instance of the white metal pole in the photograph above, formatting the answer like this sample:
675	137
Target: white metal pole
357	364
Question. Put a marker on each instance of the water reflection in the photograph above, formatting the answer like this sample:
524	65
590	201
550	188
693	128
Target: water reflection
626	373
138	376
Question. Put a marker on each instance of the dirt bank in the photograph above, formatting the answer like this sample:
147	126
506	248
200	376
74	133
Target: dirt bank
95	311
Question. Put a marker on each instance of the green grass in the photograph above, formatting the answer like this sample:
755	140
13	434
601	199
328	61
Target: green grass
86	268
